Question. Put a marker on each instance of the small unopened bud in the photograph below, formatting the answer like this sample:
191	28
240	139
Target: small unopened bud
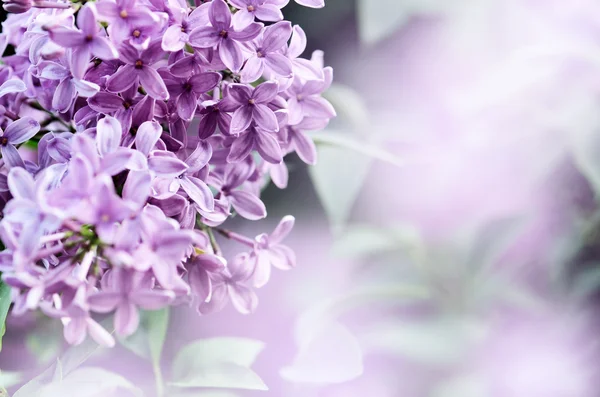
17	6
21	6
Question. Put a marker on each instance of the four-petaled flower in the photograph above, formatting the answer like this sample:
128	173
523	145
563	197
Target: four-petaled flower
221	33
84	42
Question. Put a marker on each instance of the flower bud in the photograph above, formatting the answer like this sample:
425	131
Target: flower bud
17	6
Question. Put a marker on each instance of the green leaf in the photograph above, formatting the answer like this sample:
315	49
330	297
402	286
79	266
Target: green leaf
46	340
147	342
89	382
196	393
364	240
379	19
218	362
74	356
205	352
334	308
157	323
349	105
223	375
492	240
585	146
8	379
35	385
338	178
356	144
4	306
440	341
329	355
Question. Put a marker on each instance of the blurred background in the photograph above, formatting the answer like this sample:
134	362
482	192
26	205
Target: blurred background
448	240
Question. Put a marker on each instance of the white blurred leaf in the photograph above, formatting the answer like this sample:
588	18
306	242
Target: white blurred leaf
34	386
223	375
89	382
492	240
147	342
329	355
463	386
332	309
338	178
8	379
432	342
583	121
196	393
363	240
4	306
349	105
379	19
218	362
354	143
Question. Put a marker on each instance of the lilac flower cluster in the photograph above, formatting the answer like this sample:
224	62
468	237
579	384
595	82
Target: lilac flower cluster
154	123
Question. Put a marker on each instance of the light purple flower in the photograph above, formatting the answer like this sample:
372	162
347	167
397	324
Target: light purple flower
69	88
125	291
253	106
177	35
268	251
221	33
138	70
124	16
267	54
200	269
306	101
231	285
17	132
84	42
215	114
186	91
245	203
265	10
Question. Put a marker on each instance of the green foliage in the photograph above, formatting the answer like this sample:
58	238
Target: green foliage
218	363
4	306
329	354
88	382
379	19
338	178
149	339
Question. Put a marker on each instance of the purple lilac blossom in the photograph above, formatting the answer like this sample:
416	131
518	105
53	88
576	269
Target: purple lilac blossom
155	122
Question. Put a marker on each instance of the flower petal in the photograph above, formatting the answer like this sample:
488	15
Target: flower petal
108	135
248	205
147	136
153	83
21	130
198	191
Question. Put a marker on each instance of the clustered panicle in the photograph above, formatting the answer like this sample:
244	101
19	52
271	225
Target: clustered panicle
155	122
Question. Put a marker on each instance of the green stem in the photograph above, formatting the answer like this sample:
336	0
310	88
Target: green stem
158	377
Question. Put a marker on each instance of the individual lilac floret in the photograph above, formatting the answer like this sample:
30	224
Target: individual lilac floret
177	35
253	107
125	291
17	132
21	6
267	54
268	251
232	285
185	92
125	16
84	42
138	70
265	10
221	34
